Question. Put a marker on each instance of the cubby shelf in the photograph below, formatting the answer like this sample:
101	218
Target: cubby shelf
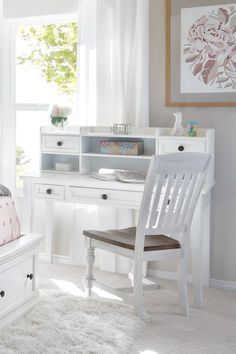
78	148
132	136
64	172
59	153
117	156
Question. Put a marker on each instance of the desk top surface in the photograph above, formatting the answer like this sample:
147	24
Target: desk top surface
85	181
82	181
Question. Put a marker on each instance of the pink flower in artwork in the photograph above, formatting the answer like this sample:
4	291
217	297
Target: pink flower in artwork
210	49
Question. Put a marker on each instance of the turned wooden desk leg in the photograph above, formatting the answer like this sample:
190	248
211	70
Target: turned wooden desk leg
131	274
90	258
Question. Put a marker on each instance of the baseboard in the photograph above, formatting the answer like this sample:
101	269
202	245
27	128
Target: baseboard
166	275
43	257
62	259
216	283
59	259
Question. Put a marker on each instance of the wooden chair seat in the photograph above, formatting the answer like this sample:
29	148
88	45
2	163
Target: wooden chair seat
125	238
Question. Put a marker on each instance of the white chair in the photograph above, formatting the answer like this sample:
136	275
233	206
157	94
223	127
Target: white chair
172	189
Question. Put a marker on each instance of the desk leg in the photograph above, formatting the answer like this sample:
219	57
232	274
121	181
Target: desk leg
200	249
49	228
131	274
148	285
206	218
27	207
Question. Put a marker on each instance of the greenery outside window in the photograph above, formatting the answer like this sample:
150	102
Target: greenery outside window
45	74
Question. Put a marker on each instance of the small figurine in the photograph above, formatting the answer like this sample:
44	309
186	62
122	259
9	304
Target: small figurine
192	128
178	129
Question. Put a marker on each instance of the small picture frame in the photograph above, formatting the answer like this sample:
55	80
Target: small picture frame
120	129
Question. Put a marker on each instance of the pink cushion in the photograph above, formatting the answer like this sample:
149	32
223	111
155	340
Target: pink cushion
9	222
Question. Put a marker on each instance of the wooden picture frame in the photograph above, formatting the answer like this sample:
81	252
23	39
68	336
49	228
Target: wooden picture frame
223	95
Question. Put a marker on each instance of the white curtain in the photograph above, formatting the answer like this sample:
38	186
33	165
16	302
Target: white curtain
113	62
113	87
6	130
1	91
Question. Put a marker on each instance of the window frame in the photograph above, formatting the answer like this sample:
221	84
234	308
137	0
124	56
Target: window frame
11	106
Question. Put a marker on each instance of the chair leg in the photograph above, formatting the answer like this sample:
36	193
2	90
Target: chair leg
138	287
183	285
90	258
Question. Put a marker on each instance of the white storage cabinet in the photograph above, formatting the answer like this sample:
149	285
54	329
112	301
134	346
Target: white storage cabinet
60	152
18	276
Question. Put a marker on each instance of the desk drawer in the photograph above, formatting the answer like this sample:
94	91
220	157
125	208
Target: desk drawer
49	191
60	144
104	196
185	145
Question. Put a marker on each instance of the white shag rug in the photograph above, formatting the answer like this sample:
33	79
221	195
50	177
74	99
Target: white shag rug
65	324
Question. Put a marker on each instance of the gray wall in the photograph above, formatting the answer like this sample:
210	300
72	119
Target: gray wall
223	229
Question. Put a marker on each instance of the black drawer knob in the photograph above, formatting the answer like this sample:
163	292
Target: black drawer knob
48	191
181	148
59	143
30	276
104	196
2	293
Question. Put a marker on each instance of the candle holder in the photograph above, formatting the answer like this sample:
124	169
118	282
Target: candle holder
120	129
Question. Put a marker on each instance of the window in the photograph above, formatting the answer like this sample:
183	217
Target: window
44	73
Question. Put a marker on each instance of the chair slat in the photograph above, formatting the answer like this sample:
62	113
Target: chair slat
196	193
186	202
173	199
156	195
164	202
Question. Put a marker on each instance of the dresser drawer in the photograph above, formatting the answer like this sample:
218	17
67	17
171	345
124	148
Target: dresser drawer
182	145
15	286
49	191
60	144
104	196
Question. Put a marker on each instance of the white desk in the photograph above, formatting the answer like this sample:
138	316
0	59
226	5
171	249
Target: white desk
79	150
83	189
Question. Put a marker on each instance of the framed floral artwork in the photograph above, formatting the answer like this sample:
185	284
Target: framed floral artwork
200	53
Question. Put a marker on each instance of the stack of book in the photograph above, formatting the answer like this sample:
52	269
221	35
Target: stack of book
125	176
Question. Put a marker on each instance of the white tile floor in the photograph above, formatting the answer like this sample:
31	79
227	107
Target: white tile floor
211	330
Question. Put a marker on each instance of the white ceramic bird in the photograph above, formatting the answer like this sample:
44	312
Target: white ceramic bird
178	129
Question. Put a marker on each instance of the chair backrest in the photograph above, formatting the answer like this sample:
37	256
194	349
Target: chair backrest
172	189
